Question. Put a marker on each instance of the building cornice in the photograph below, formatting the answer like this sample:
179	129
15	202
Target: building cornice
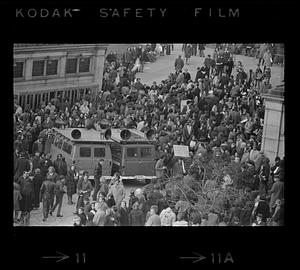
28	48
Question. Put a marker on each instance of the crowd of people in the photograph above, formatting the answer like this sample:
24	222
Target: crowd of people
220	111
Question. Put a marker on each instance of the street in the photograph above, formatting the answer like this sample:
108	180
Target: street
164	65
67	210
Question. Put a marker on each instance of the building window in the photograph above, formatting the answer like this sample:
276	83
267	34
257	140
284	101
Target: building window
38	68
18	69
51	67
71	65
84	64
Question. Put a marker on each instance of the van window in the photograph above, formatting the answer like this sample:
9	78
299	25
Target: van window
85	151
99	152
67	147
132	152
146	152
58	142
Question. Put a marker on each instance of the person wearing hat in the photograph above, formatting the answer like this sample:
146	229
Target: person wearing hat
84	189
59	193
47	195
259	221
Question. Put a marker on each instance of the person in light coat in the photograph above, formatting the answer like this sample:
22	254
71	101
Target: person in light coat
118	192
276	193
167	217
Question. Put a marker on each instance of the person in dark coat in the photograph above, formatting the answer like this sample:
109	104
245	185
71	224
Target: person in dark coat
38	146
275	170
45	164
84	188
264	176
47	196
71	183
27	194
82	216
97	176
187	53
112	217
59	193
123	211
136	216
60	165
132	200
37	183
261	207
179	64
22	164
201	50
36	161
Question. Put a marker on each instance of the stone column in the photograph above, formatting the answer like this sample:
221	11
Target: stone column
98	65
28	69
273	132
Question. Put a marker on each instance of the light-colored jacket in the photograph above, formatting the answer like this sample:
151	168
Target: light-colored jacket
118	192
167	217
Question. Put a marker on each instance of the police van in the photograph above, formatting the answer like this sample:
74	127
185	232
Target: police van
128	151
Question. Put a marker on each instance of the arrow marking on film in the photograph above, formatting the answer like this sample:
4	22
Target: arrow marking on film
61	257
198	258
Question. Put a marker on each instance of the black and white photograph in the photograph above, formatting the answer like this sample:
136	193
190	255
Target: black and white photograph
148	134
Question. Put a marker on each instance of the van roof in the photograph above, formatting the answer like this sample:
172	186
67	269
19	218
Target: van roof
87	135
91	135
136	136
